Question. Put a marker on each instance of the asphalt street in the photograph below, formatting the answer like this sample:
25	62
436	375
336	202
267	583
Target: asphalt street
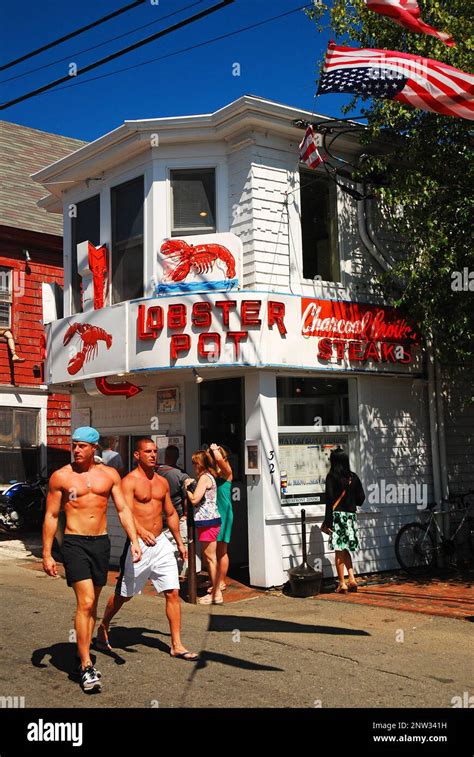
269	651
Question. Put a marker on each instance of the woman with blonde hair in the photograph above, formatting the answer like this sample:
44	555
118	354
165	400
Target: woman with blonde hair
207	518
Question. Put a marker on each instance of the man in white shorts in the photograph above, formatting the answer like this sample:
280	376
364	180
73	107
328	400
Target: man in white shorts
148	496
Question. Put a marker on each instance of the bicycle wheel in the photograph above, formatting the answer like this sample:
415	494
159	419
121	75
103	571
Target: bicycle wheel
415	548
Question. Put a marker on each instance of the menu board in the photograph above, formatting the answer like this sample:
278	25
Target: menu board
163	441
304	465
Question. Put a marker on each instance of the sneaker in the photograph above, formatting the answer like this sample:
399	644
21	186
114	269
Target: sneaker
90	679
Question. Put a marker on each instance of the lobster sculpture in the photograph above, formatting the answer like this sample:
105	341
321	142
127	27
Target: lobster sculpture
90	336
201	258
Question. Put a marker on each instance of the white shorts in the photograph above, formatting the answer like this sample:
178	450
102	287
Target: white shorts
158	564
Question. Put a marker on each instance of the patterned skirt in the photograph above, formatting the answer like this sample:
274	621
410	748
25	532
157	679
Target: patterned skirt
344	535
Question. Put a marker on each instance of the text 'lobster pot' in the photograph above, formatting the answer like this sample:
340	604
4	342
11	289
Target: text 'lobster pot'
89	344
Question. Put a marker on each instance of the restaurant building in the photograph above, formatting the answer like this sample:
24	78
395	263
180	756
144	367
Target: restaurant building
217	290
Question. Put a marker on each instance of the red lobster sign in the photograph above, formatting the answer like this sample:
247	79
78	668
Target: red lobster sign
182	258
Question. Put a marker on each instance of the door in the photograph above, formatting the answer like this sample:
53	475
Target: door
222	421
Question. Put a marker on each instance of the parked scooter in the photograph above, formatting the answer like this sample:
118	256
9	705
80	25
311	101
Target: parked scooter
23	504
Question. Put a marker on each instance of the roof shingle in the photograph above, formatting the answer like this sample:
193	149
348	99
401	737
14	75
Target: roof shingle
24	151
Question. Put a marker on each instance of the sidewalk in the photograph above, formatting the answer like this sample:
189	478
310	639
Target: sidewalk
449	597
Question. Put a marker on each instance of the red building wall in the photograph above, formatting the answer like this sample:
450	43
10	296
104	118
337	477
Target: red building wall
45	265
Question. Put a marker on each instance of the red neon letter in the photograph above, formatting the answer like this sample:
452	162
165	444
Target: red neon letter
236	337
249	313
177	316
211	354
225	306
276	314
325	349
154	322
354	351
201	315
179	343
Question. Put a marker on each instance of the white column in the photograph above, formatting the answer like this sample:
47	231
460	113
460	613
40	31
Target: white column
265	548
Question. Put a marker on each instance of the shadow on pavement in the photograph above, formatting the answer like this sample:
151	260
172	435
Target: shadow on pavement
124	638
268	625
62	657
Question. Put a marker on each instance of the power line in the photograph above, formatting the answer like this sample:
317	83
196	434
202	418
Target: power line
118	54
72	34
100	44
184	49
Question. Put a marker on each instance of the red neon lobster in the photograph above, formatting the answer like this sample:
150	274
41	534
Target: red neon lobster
201	258
90	336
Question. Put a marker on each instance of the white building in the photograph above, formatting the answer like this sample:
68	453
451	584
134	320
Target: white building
297	351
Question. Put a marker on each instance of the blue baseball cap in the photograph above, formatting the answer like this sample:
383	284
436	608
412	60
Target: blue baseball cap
86	434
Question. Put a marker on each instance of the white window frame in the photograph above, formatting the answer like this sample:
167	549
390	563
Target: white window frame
8	299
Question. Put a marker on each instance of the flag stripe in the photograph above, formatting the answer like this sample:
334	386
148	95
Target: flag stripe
443	82
407	14
421	82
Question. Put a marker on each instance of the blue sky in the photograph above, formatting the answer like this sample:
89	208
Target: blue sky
278	61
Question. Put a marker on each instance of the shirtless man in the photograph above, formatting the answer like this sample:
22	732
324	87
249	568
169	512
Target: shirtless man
148	495
83	488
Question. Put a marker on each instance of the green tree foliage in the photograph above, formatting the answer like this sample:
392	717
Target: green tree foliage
428	169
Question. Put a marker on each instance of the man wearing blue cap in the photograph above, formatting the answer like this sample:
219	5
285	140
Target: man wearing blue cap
83	488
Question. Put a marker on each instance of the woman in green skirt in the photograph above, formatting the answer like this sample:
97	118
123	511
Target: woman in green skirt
344	494
224	505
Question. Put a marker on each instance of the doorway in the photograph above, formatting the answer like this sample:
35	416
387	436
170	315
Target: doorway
222	420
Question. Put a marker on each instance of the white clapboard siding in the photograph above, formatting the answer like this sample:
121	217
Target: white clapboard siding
458	390
395	452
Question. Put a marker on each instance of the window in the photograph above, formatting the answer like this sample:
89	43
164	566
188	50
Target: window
193	199
127	240
85	228
5	297
319	227
303	400
19	447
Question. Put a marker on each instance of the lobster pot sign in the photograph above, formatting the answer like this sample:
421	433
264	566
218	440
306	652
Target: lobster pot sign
88	345
199	263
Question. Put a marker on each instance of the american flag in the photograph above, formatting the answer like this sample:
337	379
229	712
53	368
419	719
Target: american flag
421	82
309	153
406	13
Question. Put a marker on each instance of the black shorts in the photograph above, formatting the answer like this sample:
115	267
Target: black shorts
86	557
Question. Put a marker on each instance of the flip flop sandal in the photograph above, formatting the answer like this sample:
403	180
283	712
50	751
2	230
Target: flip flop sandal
103	646
187	656
341	590
352	587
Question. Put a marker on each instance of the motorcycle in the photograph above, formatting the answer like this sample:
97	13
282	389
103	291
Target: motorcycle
23	504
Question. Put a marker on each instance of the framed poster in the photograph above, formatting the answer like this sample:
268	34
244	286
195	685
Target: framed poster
168	400
163	441
305	460
252	458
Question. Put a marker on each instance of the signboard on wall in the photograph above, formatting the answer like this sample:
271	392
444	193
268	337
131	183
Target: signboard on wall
304	461
199	263
162	442
237	328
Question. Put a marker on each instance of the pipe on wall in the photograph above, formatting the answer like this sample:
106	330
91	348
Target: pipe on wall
433	414
369	244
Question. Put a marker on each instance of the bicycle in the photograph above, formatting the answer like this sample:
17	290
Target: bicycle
418	545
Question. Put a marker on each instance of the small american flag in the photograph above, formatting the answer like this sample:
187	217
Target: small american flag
406	13
421	82
309	153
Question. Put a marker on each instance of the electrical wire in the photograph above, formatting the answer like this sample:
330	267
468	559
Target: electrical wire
100	44
183	50
72	34
119	53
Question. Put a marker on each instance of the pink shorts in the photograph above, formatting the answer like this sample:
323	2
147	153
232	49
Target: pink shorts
208	533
